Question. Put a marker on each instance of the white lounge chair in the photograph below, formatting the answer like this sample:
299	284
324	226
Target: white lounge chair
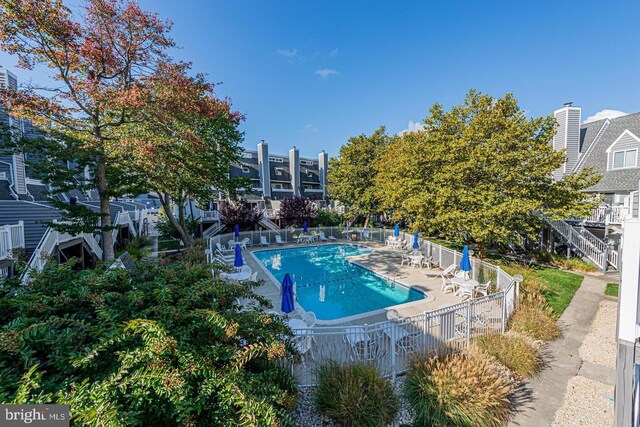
332	238
447	272
309	318
322	237
245	242
253	278
279	240
263	241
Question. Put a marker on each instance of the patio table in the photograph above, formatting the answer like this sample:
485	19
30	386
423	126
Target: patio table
242	275
463	283
297	324
415	260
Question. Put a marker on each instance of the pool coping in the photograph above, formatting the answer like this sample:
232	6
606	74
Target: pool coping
319	322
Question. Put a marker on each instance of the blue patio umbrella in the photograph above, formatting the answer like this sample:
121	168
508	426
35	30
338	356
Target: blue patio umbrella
304	227
465	262
396	230
287	294
237	261
237	232
416	245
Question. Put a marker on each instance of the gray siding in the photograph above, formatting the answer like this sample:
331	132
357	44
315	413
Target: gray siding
559	138
572	139
626	142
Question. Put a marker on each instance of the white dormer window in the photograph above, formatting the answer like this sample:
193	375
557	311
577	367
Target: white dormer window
309	174
276	159
245	169
306	162
3	175
278	171
625	159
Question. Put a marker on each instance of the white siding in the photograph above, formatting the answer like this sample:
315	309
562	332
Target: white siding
559	138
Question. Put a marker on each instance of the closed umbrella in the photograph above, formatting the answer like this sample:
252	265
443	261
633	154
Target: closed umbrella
237	261
304	227
237	232
465	262
396	230
287	305
416	245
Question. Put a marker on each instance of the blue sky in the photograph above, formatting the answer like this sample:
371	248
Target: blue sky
311	74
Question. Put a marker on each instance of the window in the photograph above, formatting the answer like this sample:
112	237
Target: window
3	175
245	169
309	174
277	186
625	159
276	159
278	171
306	162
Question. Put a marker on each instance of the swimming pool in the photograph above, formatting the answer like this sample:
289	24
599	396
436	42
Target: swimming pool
329	285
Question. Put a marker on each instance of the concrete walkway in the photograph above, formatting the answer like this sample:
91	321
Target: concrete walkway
541	397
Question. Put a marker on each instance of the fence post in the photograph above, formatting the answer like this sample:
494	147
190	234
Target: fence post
393	351
504	311
469	317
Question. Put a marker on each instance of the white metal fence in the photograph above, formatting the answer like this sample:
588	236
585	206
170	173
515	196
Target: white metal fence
390	344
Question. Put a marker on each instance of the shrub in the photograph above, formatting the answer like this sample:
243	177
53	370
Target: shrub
294	211
573	263
327	218
355	395
240	213
152	346
459	389
535	321
513	352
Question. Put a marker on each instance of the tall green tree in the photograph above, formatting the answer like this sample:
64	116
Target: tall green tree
351	178
479	171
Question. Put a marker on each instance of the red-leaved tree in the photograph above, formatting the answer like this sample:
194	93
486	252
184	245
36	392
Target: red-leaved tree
99	60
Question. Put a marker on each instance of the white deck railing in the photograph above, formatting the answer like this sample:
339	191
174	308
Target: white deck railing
609	214
11	237
390	344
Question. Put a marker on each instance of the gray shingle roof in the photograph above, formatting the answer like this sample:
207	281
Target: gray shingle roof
613	180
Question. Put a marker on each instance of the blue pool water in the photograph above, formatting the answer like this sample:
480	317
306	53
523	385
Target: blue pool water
329	285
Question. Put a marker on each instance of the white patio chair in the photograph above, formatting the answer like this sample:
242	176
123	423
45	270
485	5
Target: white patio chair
222	249
483	289
427	262
245	269
263	241
404	258
231	244
303	343
447	285
247	242
322	237
465	290
309	318
416	262
279	240
332	238
363	348
406	335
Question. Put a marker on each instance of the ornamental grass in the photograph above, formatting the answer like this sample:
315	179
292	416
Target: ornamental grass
513	352
460	389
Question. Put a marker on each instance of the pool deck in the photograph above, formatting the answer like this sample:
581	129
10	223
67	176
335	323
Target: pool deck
381	260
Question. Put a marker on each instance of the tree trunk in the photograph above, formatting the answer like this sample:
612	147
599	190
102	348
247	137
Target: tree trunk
166	204
481	250
105	209
366	221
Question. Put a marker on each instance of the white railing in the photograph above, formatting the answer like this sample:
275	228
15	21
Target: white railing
213	230
267	223
270	213
11	237
144	217
609	214
211	215
50	240
390	344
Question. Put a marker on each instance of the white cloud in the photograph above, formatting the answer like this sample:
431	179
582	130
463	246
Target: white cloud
412	127
325	73
287	53
334	52
311	128
605	114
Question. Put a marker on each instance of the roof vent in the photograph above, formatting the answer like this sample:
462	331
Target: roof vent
568	104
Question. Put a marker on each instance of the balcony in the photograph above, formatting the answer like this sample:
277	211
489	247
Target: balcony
11	237
609	215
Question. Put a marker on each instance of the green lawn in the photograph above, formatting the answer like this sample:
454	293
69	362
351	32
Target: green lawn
168	244
611	289
559	287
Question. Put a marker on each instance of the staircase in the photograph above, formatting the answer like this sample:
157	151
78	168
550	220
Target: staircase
213	230
585	242
268	224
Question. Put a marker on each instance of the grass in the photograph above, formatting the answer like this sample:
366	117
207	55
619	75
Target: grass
460	389
535	321
168	244
513	352
355	395
557	286
611	289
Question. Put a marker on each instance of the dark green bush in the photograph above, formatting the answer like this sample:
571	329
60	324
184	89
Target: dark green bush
156	346
355	395
456	390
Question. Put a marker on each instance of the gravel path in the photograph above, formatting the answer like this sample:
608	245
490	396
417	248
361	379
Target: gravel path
599	345
586	403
